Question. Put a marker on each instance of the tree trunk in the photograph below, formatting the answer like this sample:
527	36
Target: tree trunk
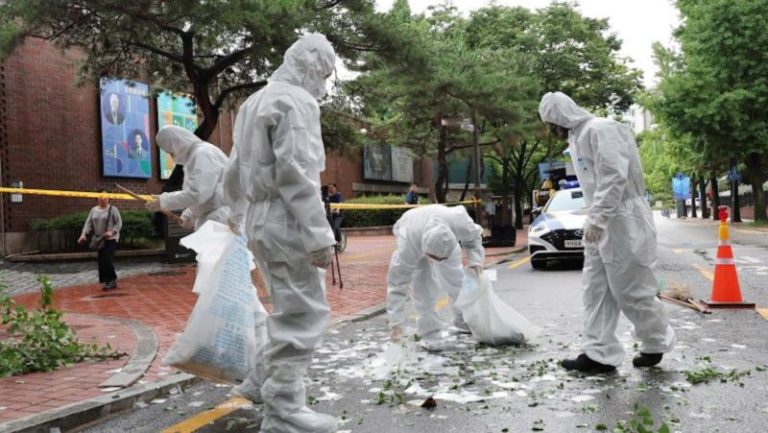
466	178
518	190
442	165
703	195
755	167
715	197
693	198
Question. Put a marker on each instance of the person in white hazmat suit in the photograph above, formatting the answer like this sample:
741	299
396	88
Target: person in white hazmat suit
427	262
272	184
200	195
619	239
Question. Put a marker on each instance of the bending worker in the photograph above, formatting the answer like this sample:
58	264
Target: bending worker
619	239
427	260
271	185
203	165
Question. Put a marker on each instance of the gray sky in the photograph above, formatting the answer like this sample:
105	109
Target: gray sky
638	23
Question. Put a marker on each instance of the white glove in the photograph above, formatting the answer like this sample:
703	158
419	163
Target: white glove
592	233
153	205
477	269
321	258
186	223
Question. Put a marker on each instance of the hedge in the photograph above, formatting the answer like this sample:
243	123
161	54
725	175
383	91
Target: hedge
137	230
376	217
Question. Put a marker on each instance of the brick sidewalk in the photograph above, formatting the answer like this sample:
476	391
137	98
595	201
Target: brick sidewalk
163	301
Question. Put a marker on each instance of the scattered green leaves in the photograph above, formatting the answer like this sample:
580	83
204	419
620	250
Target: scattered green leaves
40	340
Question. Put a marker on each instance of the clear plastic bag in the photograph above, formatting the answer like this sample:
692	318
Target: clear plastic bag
491	320
224	337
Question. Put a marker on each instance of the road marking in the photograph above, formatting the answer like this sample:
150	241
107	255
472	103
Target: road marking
763	312
518	263
706	272
678	250
209	416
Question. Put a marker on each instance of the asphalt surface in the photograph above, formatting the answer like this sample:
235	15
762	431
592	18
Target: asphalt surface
373	386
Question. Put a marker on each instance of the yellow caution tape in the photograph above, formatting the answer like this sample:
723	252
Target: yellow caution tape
120	196
72	194
362	206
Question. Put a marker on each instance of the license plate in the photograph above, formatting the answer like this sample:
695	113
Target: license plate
573	243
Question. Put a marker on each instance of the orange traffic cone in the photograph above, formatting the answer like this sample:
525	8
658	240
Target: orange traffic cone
725	288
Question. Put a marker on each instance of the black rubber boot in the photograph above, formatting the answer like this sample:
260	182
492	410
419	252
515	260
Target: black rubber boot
647	359
584	364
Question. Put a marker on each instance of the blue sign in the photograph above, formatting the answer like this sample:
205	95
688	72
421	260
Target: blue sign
734	175
681	187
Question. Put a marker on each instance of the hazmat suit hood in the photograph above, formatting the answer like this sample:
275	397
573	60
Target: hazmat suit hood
307	63
177	141
439	241
559	108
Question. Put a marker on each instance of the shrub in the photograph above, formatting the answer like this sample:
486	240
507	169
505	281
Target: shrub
376	217
40	340
137	229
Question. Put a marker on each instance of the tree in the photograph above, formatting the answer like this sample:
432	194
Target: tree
558	49
720	92
215	50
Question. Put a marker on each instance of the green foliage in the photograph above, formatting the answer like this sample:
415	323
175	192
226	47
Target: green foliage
715	89
375	217
642	423
40	340
216	50
137	231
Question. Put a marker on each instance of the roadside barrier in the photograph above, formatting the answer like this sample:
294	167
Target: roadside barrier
726	292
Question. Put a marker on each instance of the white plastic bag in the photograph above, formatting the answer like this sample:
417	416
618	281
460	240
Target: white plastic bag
225	334
490	319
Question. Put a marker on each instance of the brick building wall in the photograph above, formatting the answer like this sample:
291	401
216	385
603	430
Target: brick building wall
50	136
50	139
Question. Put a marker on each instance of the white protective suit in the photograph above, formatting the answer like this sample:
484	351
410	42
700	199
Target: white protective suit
442	232
618	275
200	196
272	184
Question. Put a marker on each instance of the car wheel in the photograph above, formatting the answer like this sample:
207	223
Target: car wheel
538	263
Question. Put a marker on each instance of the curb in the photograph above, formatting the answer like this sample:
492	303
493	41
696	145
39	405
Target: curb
67	257
78	414
507	256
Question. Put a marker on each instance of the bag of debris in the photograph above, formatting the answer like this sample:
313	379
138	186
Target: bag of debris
226	331
491	320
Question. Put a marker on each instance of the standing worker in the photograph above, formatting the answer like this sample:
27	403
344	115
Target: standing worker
619	239
427	261
413	195
335	217
203	165
271	184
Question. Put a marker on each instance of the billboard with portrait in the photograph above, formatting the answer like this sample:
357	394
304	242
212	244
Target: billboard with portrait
125	139
377	161
174	109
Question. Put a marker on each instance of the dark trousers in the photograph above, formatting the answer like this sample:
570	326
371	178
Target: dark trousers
336	221
107	262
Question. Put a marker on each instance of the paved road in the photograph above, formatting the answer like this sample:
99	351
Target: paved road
521	389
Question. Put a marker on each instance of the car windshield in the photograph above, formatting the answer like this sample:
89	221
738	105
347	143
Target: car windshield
566	200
